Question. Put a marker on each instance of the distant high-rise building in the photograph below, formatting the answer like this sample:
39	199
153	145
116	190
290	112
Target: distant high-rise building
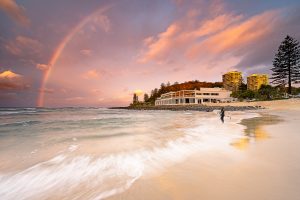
232	80
255	81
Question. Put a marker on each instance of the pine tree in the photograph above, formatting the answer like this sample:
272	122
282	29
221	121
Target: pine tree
146	97
286	64
135	98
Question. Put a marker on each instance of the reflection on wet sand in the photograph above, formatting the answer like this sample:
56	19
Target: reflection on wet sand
255	130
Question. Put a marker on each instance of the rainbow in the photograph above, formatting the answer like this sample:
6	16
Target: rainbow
58	51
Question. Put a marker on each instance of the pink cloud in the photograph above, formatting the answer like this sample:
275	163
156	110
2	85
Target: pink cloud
180	35
159	47
23	45
43	67
235	36
91	74
86	52
101	21
218	35
15	11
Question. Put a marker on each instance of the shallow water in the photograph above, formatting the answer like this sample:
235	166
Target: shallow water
96	153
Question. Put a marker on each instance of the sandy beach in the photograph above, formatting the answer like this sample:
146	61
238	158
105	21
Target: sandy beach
287	104
99	153
264	163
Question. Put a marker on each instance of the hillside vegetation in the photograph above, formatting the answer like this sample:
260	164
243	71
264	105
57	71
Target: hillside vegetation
190	85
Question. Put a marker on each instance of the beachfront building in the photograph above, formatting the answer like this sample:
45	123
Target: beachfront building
232	80
255	81
186	97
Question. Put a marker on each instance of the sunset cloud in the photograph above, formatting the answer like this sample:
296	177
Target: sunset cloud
86	52
23	46
91	74
159	48
101	52
103	22
236	36
12	81
43	67
223	36
15	11
180	35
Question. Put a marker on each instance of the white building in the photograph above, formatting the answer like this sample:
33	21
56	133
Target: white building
204	95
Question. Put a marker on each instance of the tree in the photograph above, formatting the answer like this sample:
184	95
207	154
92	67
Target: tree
267	92
146	97
135	98
286	64
243	87
155	92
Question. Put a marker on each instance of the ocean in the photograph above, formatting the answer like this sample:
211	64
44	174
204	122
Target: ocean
97	153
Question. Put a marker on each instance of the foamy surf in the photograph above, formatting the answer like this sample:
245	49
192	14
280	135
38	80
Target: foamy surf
85	176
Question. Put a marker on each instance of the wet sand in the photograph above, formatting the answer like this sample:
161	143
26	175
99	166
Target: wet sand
264	163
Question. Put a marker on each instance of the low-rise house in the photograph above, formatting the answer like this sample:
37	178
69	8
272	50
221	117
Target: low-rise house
203	95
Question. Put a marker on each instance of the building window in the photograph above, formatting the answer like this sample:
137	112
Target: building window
205	93
215	94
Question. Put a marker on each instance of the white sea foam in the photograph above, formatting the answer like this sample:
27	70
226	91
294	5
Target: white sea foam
114	173
73	147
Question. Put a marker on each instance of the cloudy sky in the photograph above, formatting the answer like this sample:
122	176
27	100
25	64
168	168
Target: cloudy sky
97	53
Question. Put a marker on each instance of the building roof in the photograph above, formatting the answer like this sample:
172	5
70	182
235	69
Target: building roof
258	75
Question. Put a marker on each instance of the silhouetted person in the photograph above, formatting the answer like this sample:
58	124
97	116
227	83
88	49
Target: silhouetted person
222	114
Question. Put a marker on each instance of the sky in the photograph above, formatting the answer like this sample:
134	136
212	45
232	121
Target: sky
98	53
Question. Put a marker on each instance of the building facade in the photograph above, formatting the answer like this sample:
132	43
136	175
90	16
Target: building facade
255	81
232	80
204	95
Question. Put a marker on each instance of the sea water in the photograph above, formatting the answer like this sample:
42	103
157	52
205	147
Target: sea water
96	153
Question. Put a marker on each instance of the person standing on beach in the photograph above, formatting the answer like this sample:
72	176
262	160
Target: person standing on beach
222	114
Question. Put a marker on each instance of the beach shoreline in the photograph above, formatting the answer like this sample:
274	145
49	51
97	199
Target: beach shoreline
202	108
233	106
155	155
261	165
